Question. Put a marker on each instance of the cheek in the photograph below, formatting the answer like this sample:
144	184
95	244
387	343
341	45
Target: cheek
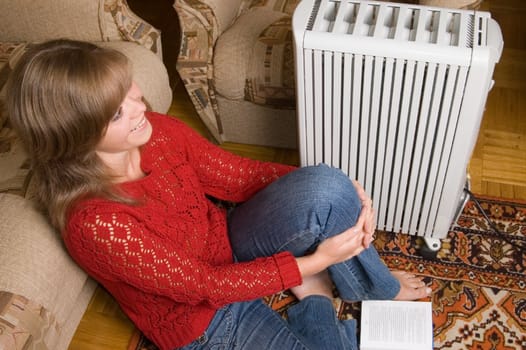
115	135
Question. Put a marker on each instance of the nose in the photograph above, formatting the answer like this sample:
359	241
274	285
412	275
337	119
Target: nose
140	104
137	98
135	107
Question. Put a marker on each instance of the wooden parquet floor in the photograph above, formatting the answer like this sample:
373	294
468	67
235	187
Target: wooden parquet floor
497	167
498	164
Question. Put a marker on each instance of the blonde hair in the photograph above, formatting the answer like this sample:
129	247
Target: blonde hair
60	98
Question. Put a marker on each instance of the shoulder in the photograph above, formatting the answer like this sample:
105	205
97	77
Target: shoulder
169	128
165	122
91	221
92	210
160	119
95	209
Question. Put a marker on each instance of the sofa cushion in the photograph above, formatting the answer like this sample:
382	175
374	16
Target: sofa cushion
234	49
254	58
224	11
37	20
149	73
270	78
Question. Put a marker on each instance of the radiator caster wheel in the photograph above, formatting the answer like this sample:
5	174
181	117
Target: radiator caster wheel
430	247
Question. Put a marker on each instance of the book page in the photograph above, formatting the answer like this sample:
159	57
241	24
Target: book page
394	325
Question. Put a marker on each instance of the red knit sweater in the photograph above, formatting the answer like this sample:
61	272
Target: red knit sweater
168	261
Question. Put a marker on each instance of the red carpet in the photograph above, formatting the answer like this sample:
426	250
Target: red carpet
478	278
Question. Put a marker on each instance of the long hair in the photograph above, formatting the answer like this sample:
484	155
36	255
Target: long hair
61	96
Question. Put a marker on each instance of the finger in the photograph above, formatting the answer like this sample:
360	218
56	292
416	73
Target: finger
370	223
359	240
347	244
368	239
349	235
360	223
359	190
356	244
362	195
365	242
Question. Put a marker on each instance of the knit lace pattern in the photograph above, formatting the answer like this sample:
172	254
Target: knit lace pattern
167	260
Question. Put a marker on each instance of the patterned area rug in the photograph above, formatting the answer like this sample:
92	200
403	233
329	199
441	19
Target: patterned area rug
478	277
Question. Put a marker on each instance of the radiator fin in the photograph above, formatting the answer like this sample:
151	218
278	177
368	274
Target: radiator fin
398	141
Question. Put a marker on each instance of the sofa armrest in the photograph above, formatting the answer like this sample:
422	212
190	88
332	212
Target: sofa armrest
34	264
219	13
38	20
200	31
89	20
130	26
202	22
26	324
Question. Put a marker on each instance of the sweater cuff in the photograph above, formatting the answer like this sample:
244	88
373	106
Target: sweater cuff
288	269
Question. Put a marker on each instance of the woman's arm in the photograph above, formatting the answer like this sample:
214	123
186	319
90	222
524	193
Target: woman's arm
222	174
114	247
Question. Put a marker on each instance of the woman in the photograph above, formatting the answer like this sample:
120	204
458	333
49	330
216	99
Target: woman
132	193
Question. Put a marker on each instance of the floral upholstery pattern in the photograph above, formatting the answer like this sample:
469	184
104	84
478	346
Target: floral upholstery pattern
9	51
13	160
200	32
274	84
133	28
26	325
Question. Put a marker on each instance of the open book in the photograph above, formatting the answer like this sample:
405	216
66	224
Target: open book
393	325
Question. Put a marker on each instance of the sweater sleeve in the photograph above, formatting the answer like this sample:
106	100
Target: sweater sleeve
114	247
223	174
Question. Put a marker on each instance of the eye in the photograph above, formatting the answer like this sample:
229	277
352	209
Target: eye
117	115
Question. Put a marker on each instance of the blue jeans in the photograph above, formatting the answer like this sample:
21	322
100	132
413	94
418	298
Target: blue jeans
296	213
253	325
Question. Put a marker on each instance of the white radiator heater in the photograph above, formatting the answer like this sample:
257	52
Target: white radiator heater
393	94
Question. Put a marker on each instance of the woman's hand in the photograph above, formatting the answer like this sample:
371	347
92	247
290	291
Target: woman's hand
345	245
335	249
368	212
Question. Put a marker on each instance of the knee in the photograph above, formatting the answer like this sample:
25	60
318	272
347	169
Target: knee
330	184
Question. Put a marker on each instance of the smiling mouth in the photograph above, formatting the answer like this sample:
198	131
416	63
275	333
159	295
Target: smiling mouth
140	125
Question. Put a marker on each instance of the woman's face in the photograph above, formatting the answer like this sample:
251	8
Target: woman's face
129	128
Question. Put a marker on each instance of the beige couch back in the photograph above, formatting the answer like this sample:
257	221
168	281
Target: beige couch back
37	20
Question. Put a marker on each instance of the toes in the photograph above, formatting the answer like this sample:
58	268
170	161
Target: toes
412	287
416	283
425	291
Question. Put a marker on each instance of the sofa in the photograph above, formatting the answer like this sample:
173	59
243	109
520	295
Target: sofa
236	62
43	294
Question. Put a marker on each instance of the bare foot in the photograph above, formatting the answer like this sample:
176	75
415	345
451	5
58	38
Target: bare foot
411	286
318	284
